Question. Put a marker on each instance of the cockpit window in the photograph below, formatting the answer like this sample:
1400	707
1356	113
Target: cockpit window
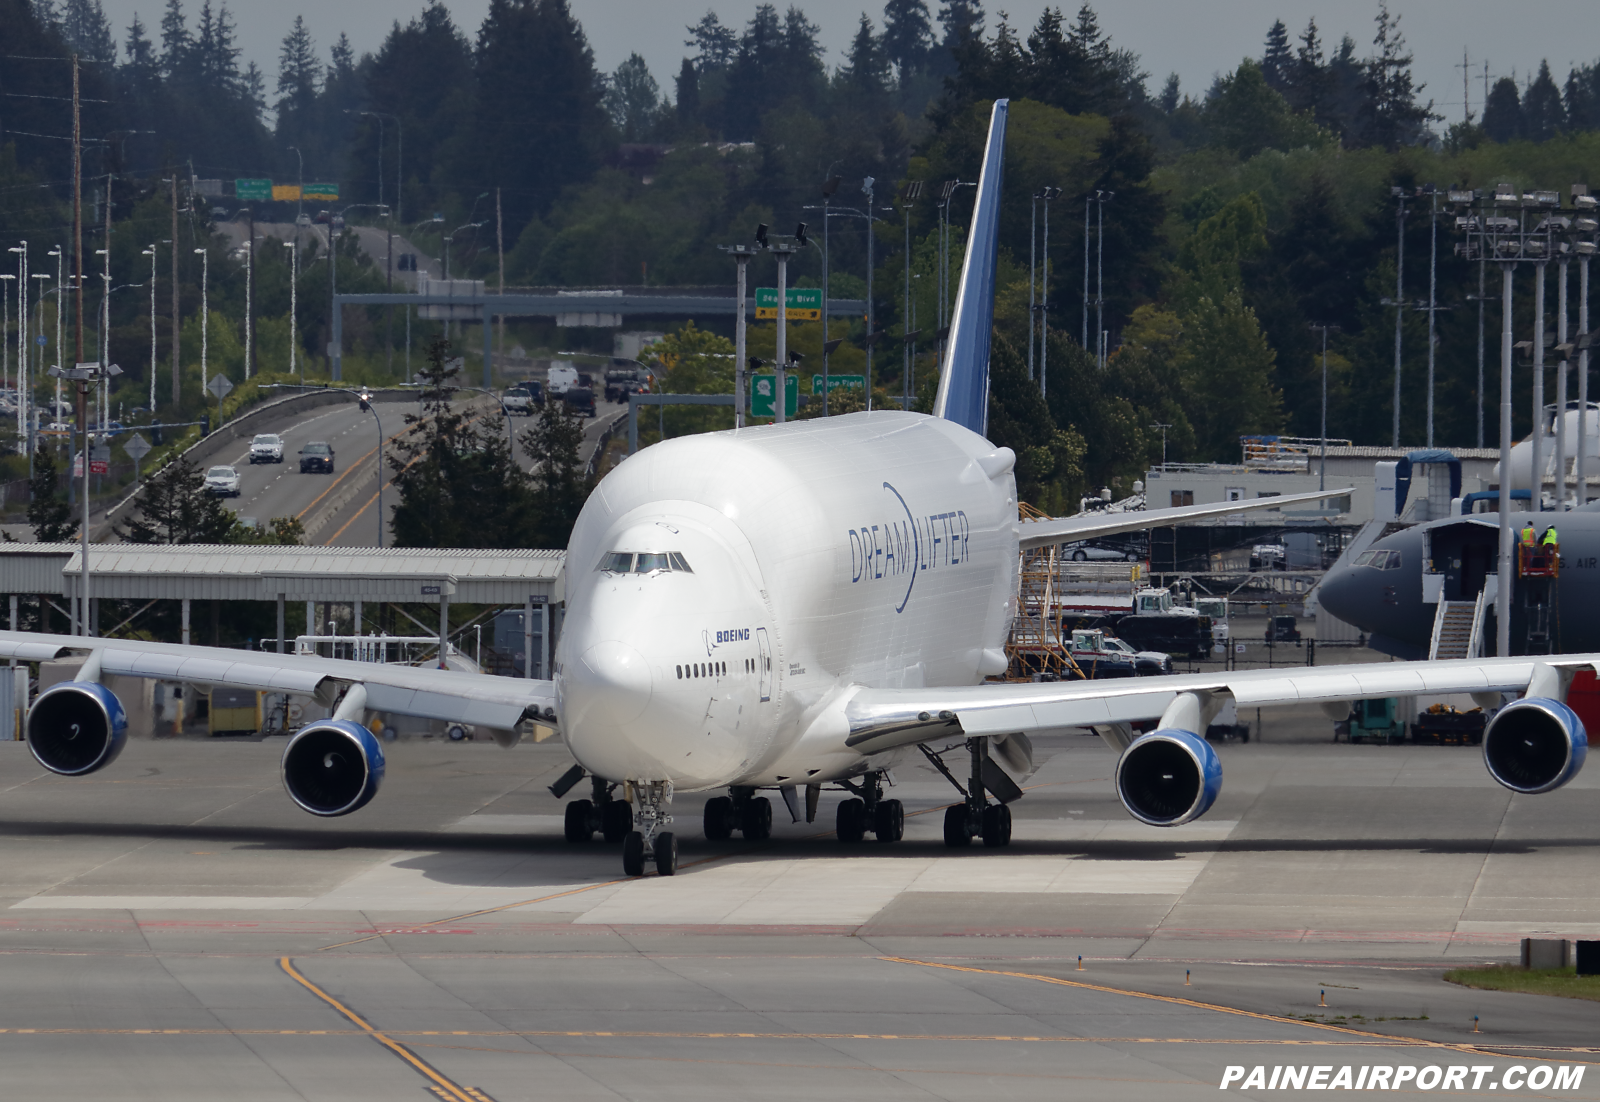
1365	558
1394	561
645	562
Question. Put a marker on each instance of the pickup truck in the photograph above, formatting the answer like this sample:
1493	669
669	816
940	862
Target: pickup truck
518	401
267	447
621	382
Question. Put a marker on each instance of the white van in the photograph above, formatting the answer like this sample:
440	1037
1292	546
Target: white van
562	375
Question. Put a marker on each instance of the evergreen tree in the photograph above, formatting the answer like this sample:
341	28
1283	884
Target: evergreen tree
48	513
715	45
559	484
688	89
962	21
299	72
632	99
1581	97
1278	60
1391	116
174	507
142	67
1502	112
216	57
907	36
866	73
87	31
1170	95
1246	116
1228	371
175	41
1543	116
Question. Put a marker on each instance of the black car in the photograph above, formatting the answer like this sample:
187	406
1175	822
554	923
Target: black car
580	400
316	457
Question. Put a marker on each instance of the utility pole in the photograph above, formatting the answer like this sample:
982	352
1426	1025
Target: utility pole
829	186
1502	602
1399	302
1433	286
1483	267
77	237
249	299
1083	337
500	249
911	192
1322	480
1536	471
1033	268
779	399
1561	384
151	253
866	186
1049	195
177	320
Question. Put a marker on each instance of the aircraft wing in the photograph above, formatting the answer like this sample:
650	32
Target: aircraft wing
884	719
1039	533
448	695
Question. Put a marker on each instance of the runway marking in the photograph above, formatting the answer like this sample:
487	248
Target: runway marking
1175	1000
445	1087
1368	1041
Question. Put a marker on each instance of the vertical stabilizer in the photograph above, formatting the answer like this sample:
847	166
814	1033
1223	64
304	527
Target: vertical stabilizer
964	383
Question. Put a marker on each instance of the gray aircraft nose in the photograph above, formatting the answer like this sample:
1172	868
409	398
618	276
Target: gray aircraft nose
1344	596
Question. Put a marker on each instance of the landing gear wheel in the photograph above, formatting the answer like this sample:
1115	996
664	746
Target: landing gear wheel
577	823
719	818
616	820
666	854
996	826
851	823
891	821
633	854
757	825
955	826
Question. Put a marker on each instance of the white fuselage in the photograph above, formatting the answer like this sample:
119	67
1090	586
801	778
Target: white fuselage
875	549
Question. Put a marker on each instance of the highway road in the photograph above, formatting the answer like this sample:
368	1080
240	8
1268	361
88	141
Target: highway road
341	510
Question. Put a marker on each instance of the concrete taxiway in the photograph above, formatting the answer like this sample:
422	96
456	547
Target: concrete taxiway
172	928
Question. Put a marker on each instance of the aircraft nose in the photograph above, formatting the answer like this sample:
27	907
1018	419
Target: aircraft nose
610	685
1339	596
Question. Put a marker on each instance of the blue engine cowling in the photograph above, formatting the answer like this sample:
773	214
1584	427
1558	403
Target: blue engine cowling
333	767
1535	745
76	727
1168	777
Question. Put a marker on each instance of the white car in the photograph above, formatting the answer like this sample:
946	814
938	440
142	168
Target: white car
1088	552
222	481
267	447
518	401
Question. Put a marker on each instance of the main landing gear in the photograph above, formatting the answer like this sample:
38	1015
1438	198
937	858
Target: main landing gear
975	816
601	814
742	810
869	811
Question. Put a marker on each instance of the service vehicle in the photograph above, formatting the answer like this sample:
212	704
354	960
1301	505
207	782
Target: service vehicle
623	381
1282	629
1269	556
222	481
1146	663
267	447
316	457
1097	659
1159	623
562	375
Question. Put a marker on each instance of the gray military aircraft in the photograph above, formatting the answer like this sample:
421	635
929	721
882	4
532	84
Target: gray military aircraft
1393	589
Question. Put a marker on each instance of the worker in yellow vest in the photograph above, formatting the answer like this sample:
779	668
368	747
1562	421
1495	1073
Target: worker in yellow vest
1529	536
1551	542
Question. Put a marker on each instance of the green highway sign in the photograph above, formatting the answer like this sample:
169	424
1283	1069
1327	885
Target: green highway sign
320	191
805	303
257	190
762	388
837	381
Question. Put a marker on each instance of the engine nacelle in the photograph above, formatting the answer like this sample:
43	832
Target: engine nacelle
333	767
1535	745
76	727
1168	777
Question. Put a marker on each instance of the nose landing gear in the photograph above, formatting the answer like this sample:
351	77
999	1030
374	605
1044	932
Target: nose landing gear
975	816
869	811
650	842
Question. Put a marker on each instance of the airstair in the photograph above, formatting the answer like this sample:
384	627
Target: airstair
1457	630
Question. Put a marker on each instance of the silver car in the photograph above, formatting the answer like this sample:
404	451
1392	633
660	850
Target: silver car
267	447
222	482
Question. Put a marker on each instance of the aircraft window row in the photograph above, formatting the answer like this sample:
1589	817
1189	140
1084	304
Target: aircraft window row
1379	560
702	669
693	670
645	562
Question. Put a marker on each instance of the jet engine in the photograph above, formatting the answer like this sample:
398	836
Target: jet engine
1168	777
76	727
1535	745
333	767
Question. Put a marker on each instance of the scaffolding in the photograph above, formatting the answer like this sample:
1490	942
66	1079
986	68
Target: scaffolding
1035	649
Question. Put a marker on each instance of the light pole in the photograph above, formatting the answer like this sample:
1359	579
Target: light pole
829	186
1586	225
1163	427
57	252
1399	300
294	303
365	398
22	345
741	258
1033	269
300	198
249	300
1083	339
908	195
395	212
783	251
1322	482
83	374
1048	195
1100	198
151	253
205	326
1433	286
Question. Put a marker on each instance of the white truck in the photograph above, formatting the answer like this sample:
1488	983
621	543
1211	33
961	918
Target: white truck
562	375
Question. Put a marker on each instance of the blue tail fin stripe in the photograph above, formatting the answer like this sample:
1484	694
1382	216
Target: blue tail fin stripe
964	384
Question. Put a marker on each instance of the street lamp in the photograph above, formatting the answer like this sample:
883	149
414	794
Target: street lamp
908	195
5	330
58	253
452	237
151	253
82	374
301	198
741	257
294	302
205	325
1322	483
365	399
